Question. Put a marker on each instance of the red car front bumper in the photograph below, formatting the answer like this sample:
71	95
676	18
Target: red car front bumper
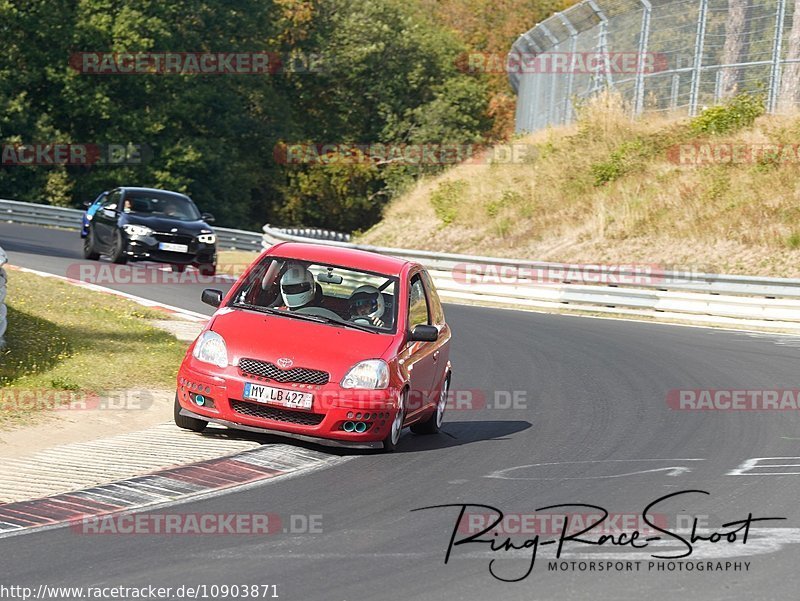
222	401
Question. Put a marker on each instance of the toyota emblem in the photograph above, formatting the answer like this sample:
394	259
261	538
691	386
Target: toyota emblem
284	362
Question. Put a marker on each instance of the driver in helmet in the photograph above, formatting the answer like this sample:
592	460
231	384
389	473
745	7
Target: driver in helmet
367	306
298	287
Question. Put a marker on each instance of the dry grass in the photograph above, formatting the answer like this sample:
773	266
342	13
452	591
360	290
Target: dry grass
606	190
234	262
62	338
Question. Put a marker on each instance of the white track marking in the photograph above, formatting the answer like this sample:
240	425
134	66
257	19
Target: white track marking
672	470
747	467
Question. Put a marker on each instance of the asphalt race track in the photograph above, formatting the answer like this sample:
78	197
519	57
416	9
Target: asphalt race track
590	425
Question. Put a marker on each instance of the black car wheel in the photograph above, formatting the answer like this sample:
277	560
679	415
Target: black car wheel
88	247
118	249
207	269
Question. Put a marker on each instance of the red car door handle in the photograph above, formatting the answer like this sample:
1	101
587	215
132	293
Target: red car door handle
436	356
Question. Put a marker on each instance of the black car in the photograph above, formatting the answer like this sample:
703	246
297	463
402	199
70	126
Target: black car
145	224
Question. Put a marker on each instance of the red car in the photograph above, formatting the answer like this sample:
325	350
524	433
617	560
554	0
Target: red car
325	344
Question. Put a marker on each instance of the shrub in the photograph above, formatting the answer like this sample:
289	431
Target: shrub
793	240
738	112
507	198
623	160
445	199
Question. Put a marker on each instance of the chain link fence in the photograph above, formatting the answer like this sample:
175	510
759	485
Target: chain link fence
660	55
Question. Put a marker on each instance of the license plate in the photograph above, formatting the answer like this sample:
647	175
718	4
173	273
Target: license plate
175	248
293	399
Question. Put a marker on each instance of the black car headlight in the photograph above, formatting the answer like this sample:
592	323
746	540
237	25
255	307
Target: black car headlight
137	231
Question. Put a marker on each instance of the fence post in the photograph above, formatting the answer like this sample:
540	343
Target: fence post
775	70
552	104
535	77
533	104
673	93
644	37
699	42
573	41
602	45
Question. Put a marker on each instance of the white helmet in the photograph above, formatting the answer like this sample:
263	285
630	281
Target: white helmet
297	286
367	296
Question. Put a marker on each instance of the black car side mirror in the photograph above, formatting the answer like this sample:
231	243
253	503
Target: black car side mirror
423	333
212	297
207	217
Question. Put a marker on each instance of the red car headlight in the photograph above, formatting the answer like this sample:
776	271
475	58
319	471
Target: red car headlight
372	374
210	348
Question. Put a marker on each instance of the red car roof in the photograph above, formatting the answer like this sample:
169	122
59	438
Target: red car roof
335	255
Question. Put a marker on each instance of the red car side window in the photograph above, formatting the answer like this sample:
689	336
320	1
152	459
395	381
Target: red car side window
418	310
437	313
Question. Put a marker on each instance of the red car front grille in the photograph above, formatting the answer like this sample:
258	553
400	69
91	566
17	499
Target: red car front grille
299	375
274	413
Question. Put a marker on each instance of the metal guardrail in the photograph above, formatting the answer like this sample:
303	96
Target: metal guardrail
3	280
315	233
28	213
464	278
484	279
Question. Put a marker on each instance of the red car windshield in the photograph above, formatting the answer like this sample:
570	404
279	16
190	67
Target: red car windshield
331	293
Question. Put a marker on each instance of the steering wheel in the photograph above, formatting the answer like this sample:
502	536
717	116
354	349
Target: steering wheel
319	311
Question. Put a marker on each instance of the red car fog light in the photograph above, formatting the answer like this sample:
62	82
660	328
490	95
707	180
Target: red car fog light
202	400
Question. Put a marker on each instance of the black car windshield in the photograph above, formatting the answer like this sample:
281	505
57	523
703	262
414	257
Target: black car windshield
170	206
331	294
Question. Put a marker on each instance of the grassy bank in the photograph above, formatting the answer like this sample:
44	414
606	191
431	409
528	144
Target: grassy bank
234	262
65	338
615	191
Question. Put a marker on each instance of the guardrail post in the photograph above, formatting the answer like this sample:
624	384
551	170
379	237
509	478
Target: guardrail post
775	69
573	41
718	86
699	43
644	38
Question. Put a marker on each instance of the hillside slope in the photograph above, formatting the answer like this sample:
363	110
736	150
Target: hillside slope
720	192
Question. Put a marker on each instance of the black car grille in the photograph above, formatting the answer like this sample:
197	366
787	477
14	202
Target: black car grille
174	238
279	415
299	375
